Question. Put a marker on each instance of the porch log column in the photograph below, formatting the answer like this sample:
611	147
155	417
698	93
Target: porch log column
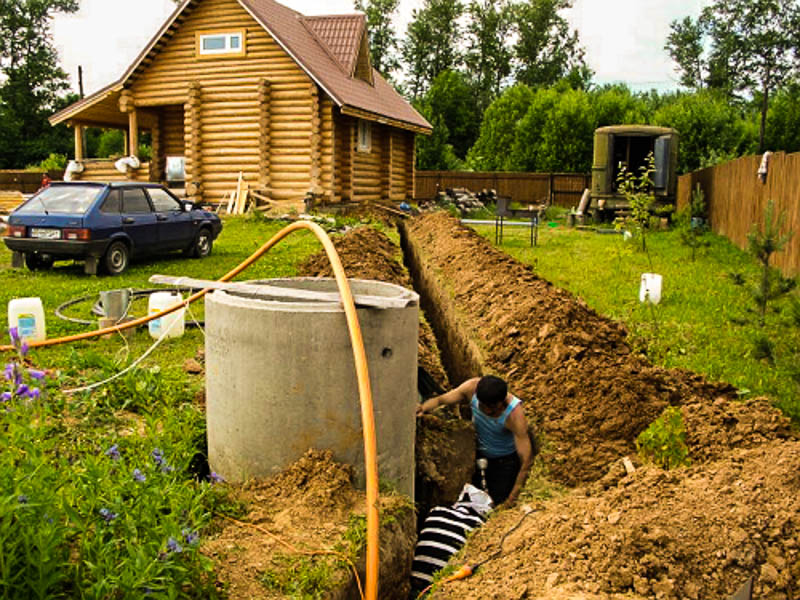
390	166
264	134
411	182
78	142
156	160
316	141
193	137
132	138
133	132
328	149
385	162
353	140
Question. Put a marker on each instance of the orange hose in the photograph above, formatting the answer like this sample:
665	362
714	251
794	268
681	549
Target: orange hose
359	355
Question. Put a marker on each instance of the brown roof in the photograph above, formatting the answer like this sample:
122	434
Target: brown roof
326	48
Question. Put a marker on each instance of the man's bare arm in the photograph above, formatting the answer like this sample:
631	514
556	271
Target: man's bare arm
519	427
462	393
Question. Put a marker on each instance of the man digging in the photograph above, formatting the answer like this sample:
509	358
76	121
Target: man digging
502	431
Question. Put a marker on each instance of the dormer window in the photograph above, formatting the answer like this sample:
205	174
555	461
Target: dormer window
228	43
364	136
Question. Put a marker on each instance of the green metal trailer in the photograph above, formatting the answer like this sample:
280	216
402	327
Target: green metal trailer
630	145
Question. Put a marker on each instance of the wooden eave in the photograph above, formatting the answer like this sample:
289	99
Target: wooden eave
366	115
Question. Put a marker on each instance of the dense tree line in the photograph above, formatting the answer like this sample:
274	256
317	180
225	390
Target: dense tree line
504	83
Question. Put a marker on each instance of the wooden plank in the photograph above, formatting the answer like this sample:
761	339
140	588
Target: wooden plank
280	293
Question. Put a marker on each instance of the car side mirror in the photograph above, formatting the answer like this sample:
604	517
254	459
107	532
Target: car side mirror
187	206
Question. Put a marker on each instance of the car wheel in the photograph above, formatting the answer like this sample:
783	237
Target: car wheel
38	262
202	244
116	258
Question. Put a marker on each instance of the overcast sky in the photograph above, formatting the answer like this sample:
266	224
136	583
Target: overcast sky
624	39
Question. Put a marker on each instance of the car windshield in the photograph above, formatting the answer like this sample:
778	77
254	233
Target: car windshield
70	199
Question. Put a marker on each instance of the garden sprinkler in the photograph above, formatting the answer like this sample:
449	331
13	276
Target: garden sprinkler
482	464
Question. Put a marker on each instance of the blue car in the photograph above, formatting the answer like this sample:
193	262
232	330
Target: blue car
105	225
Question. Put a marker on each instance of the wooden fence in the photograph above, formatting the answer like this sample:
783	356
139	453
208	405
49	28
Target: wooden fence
736	198
561	189
26	182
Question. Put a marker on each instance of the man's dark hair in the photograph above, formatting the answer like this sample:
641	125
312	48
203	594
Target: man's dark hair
491	390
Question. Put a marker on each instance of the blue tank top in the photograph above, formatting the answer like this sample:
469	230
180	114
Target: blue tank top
494	439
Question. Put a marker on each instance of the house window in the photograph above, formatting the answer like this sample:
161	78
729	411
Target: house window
364	136
214	44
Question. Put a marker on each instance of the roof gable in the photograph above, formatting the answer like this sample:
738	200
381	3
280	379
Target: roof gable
341	34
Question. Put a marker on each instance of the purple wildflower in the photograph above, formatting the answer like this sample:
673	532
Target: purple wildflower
166	468
108	515
189	536
158	456
9	370
34	393
213	477
14	333
23	349
138	475
113	452
22	390
37	374
174	546
22	499
5	396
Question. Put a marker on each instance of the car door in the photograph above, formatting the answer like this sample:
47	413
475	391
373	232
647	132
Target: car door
174	224
139	220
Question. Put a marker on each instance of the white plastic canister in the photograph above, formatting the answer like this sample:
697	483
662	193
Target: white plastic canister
650	288
27	315
172	323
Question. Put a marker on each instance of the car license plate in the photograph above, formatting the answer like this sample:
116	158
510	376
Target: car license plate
45	234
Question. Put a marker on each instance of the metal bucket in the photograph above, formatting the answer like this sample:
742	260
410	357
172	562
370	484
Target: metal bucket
115	303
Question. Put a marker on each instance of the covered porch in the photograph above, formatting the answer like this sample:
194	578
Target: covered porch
114	108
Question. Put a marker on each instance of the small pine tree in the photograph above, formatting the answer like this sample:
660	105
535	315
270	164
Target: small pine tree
763	242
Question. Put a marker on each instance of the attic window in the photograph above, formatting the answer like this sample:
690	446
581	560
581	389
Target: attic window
364	136
226	43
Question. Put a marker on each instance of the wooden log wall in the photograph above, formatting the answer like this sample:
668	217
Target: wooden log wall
172	136
736	199
102	169
385	172
367	171
231	102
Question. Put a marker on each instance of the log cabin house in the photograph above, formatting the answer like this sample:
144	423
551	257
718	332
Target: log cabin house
252	87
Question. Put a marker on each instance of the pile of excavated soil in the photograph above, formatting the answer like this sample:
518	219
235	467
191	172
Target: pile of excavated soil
582	386
689	533
367	253
305	509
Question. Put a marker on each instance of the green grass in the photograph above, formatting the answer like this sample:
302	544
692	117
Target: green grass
76	519
240	237
704	323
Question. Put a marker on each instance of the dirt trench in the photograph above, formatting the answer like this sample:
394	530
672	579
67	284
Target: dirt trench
697	532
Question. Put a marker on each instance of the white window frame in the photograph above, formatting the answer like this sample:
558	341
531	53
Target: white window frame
364	136
228	36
